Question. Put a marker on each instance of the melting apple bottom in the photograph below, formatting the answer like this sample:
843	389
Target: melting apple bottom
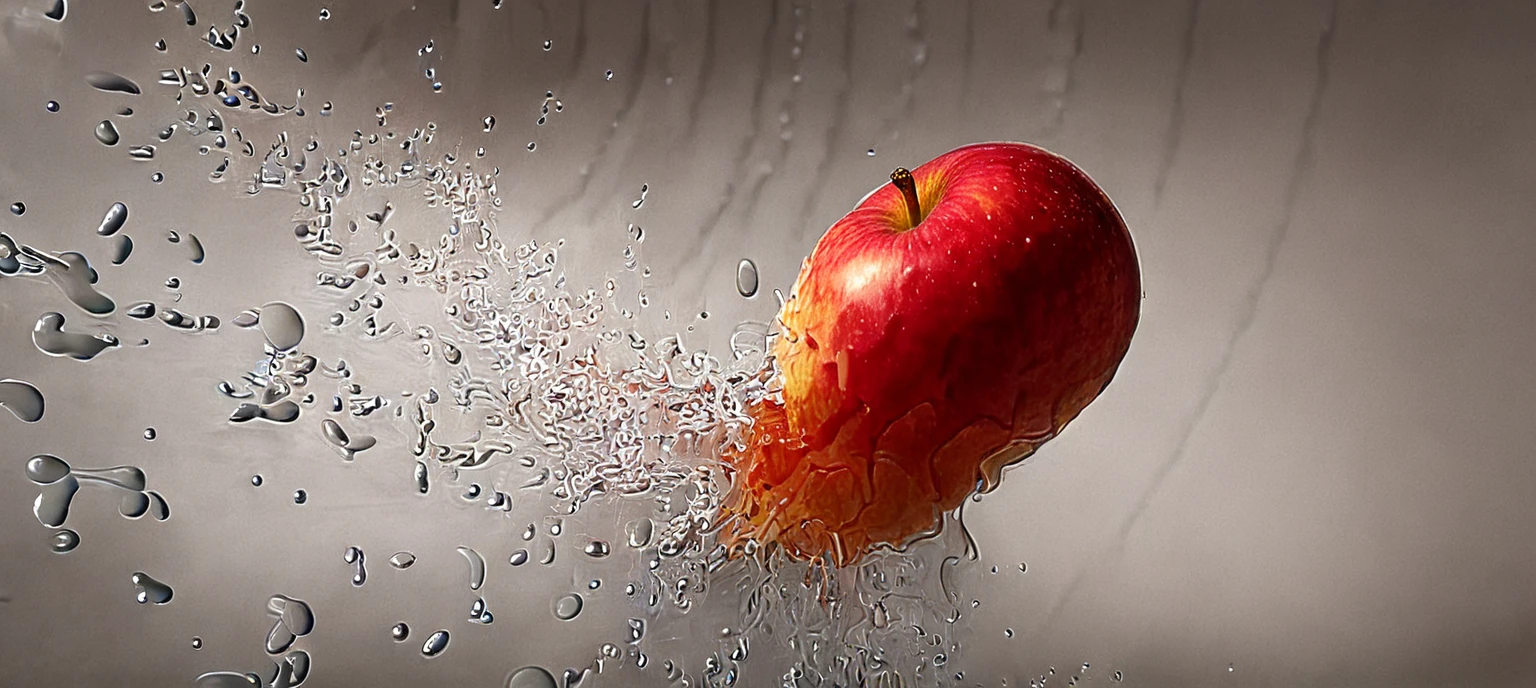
880	482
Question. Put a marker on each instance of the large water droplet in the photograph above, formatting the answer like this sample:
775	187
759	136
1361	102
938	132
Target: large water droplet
436	643
122	247
46	469
115	83
282	325
567	606
531	677
639	532
746	278
50	338
106	133
22	399
147	589
294	613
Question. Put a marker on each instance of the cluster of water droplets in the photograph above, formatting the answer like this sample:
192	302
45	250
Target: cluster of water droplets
545	400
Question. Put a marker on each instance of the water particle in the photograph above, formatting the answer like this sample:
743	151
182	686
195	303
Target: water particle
567	606
113	221
282	325
300	496
256	481
51	106
148	590
476	567
112	83
299	53
531	677
597	549
197	643
746	278
402	560
548	45
324	14
22	399
400	632
436	643
65	541
870	152
106	133
149	434
608	75
518	558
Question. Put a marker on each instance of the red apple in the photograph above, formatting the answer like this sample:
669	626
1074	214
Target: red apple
949	325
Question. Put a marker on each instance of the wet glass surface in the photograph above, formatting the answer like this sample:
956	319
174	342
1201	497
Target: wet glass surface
377	343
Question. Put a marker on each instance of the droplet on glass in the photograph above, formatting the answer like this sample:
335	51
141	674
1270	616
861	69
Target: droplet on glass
106	133
746	278
300	496
400	632
436	643
567	606
402	560
531	677
65	541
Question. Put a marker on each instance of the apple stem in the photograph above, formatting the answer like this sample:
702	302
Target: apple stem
903	180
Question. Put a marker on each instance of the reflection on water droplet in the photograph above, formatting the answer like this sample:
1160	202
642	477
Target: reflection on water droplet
746	278
299	53
567	606
23	400
149	434
197	643
476	567
548	45
256	481
402	560
400	631
106	133
51	106
531	677
488	123
65	541
436	643
150	590
300	496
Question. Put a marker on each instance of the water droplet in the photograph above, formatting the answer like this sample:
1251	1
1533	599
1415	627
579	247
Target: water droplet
282	325
256	481
489	123
608	75
355	557
112	83
567	606
299	53
532	145
746	278
157	177
1119	676
294	614
436	643
597	549
116	217
50	338
548	45
400	631
51	106
149	434
531	677
23	400
324	14
18	208
402	560
197	643
476	567
106	133
147	589
122	247
58	11
300	496
518	558
65	541
639	532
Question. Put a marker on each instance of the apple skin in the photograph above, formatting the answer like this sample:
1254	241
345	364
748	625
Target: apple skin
917	362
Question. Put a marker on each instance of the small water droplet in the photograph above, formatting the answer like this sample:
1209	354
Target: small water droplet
436	643
746	278
476	567
256	481
65	541
324	14
197	643
870	152
597	549
149	434
402	560
106	133
147	589
112	83
18	208
300	496
400	631
548	45
1118	676
518	558
299	53
488	123
51	106
157	177
355	557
